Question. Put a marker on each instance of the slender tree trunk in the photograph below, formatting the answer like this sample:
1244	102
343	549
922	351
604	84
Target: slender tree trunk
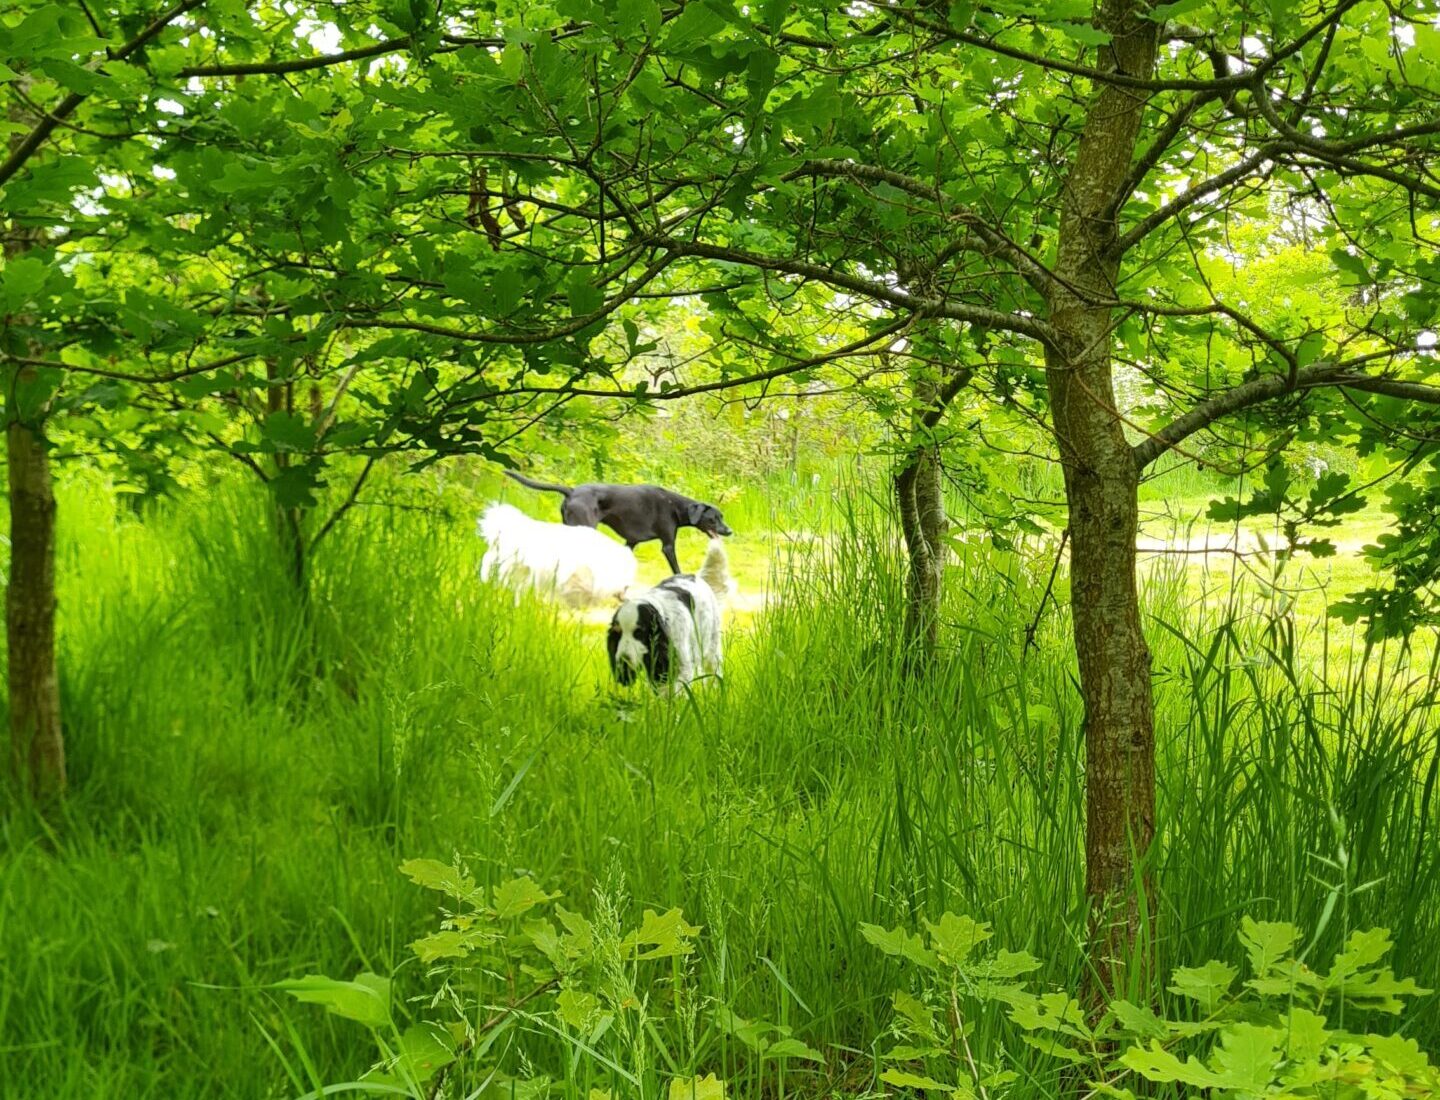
289	526
918	492
1101	486
37	747
37	744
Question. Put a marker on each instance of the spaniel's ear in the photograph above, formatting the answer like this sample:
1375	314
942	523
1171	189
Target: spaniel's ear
650	632
621	670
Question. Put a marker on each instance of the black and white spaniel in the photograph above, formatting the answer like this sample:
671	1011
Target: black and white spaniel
672	632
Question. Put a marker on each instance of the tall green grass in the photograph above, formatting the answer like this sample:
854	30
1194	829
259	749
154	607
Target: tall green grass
249	769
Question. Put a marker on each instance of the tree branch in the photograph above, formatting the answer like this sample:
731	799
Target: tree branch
1034	272
1016	323
1260	390
66	107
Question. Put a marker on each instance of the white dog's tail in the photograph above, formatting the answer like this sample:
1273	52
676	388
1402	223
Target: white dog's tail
715	571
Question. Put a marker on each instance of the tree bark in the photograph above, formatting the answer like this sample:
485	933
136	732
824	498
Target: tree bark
918	492
1102	486
37	746
289	522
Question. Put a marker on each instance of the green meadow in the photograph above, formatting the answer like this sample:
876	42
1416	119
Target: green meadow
249	771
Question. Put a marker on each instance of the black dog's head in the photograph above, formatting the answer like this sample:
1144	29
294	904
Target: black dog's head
637	640
708	518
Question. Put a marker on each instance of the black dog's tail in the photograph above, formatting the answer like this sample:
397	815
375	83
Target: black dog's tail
523	480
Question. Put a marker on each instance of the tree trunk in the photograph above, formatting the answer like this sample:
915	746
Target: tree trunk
1101	486
918	492
37	747
289	526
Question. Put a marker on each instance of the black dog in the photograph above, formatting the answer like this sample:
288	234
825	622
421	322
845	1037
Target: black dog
637	513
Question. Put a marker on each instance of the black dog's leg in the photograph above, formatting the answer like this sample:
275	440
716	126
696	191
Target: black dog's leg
669	548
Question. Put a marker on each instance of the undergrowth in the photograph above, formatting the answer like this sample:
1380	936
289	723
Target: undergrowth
251	769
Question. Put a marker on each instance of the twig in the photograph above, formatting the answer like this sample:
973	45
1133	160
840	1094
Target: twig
464	1048
1049	586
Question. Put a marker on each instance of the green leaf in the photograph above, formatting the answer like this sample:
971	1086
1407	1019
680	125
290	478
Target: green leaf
1267	942
954	938
792	1048
697	23
1350	265
288	431
697	1088
1398	1052
1138	1020
1362	949
295	486
452	943
434	875
1310	348
365	1000
1162	12
1158	1064
1247	1057
918	1016
518	896
904	1079
666	935
577	1008
898	942
584	299
512	60
425	1049
1084	33
1204	984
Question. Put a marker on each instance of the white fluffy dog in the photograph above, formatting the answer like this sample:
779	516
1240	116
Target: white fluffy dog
672	631
578	564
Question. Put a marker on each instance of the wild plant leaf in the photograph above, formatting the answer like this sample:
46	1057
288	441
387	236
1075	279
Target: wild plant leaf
1266	943
666	935
1007	964
1247	1057
1155	1063
1362	949
1379	991
919	1017
518	896
434	875
900	943
750	1033
1138	1020
906	1053
1055	1048
579	938
365	1000
1057	1012
1203	984
543	935
425	1049
1305	1034
577	1008
708	1087
792	1048
955	937
451	943
904	1079
1401	1053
